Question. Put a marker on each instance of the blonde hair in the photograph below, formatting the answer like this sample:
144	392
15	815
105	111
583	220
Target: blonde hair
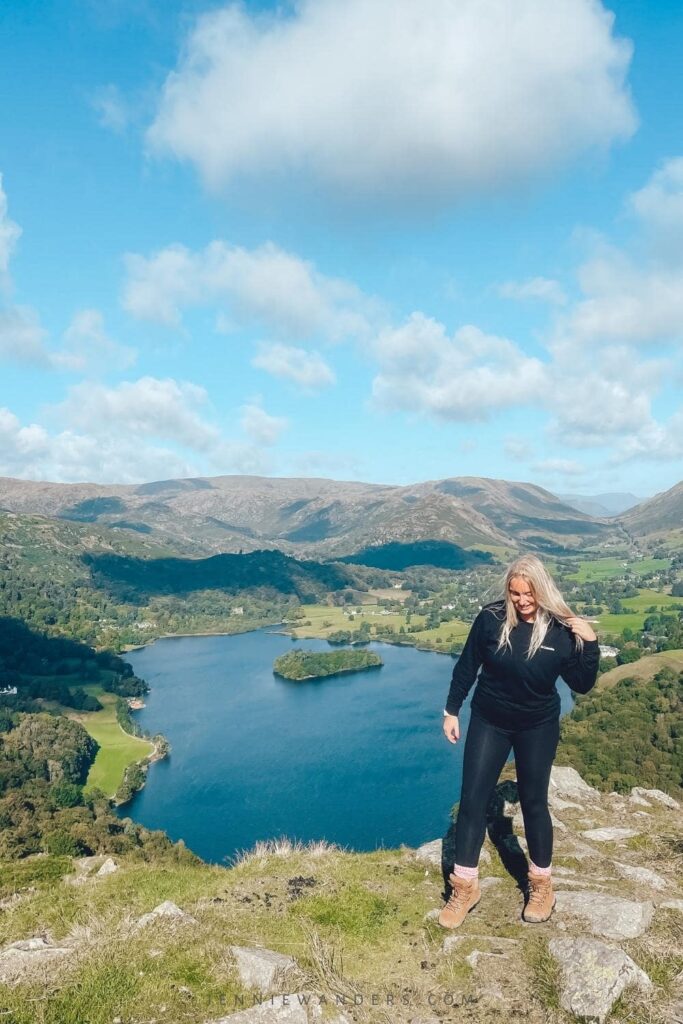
550	602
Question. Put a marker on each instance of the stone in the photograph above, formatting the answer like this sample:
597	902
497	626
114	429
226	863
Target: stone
565	805
432	915
644	875
609	916
108	868
476	955
593	976
261	968
672	905
609	835
635	799
490	882
567	784
451	942
167	909
27	957
656	794
430	853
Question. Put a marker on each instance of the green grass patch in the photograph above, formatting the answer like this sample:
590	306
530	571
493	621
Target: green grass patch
118	749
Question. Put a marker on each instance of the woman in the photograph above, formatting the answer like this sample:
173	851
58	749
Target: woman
521	643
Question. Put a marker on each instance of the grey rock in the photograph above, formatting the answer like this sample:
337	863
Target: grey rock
432	915
656	794
108	868
167	909
565	805
561	872
490	882
672	905
567	784
609	916
593	976
430	853
451	942
261	968
644	875
476	955
23	959
635	799
608	835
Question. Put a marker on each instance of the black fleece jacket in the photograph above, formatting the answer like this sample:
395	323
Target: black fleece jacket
514	691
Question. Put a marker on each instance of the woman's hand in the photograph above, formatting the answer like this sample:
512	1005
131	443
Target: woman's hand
451	728
581	627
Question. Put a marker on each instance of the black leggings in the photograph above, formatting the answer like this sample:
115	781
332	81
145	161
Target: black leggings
486	750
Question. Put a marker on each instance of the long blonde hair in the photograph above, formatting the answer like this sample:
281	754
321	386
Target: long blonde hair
550	602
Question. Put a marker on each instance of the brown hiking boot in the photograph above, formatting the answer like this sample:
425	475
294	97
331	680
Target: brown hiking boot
541	899
465	896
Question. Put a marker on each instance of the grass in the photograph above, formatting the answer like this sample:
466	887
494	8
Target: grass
645	668
611	568
325	620
635	618
117	750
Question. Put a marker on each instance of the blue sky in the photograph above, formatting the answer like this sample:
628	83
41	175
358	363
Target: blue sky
361	239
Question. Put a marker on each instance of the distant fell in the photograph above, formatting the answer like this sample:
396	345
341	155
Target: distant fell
612	503
319	518
659	517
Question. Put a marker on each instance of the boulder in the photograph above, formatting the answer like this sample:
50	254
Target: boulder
657	795
567	784
261	968
672	905
609	916
609	835
644	875
593	976
108	868
22	961
430	853
167	909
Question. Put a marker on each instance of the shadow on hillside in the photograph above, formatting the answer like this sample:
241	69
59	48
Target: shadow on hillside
137	579
501	834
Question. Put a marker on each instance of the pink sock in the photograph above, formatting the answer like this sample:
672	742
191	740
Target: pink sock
539	871
463	872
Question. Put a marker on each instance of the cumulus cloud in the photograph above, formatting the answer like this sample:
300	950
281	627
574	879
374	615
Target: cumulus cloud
260	426
542	288
465	377
22	338
9	234
308	369
139	430
88	348
560	467
392	98
266	285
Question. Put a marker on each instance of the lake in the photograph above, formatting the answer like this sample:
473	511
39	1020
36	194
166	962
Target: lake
357	759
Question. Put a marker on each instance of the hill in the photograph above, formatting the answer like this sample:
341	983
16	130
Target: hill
303	933
318	518
659	518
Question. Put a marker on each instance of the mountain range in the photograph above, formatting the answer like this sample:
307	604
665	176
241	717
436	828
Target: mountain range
328	519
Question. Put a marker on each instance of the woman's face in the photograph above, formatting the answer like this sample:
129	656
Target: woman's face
522	596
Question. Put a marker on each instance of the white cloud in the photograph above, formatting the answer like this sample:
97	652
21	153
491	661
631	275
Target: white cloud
308	369
560	467
517	449
148	407
465	377
111	109
542	288
22	338
87	346
659	204
393	98
267	285
260	426
9	234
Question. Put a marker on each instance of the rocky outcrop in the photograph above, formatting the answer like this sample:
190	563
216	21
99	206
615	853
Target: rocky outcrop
593	977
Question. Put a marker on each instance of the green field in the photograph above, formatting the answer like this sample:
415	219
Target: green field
611	625
610	568
645	668
117	748
325	620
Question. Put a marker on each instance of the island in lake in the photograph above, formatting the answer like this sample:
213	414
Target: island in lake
313	665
